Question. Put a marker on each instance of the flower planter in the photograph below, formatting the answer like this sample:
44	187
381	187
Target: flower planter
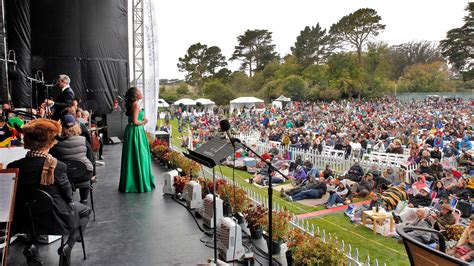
256	234
289	258
226	209
276	247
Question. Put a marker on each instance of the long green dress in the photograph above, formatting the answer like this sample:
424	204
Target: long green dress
135	173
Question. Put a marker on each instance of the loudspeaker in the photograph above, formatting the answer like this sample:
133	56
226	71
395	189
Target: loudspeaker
114	140
116	123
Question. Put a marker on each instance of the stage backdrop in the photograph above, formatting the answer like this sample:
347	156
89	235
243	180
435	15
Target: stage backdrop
85	39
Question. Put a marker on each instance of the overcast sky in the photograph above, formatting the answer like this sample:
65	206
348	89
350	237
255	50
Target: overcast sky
182	23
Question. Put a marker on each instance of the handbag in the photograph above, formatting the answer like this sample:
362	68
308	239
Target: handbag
95	145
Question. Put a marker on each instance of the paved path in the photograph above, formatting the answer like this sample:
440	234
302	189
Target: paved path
329	211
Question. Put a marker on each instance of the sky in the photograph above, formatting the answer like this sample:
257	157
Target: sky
182	23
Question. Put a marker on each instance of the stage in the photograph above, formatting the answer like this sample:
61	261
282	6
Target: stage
131	229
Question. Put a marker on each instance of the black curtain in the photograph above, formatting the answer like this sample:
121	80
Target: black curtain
17	14
85	39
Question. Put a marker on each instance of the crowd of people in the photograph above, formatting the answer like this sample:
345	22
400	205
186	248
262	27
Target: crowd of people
435	135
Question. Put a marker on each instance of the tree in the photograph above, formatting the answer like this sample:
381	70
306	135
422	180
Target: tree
346	75
271	90
182	89
411	53
288	68
294	87
426	77
356	28
255	50
458	47
316	75
201	61
312	46
218	92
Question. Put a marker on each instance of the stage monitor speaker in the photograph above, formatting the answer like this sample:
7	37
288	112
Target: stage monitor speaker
114	140
116	123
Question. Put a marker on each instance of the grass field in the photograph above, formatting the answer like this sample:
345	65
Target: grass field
384	249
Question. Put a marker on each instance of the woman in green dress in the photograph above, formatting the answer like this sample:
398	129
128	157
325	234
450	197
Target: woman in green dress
135	172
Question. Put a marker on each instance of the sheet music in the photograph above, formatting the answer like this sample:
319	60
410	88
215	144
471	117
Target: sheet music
7	183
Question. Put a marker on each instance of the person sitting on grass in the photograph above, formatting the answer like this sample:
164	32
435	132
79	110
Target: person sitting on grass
440	190
437	170
355	173
314	189
444	219
364	187
460	191
421	221
464	249
338	195
421	199
449	181
299	175
328	172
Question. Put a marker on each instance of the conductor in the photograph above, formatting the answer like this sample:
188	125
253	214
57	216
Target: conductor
64	99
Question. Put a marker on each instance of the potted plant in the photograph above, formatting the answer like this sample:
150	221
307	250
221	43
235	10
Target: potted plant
295	238
179	183
255	217
311	250
280	228
236	198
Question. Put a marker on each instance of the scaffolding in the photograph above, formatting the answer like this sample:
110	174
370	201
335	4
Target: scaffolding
138	44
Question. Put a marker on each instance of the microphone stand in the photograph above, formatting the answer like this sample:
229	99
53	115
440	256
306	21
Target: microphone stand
271	169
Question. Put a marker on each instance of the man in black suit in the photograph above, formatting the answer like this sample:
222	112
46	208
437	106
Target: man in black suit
42	171
64	99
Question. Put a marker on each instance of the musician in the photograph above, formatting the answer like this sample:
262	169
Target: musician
64	99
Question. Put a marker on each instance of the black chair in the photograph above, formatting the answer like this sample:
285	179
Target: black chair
421	254
76	171
38	206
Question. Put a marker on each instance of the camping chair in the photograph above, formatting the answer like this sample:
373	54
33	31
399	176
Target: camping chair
76	170
421	254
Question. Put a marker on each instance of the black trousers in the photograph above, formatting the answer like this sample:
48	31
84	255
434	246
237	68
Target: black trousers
83	213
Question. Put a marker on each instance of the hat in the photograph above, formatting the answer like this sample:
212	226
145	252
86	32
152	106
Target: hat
446	206
41	131
68	121
427	189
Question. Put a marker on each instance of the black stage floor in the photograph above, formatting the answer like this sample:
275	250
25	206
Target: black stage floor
131	229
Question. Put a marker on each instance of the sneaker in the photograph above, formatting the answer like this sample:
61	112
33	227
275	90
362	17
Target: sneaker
339	204
329	206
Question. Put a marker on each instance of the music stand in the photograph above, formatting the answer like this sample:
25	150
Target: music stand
211	153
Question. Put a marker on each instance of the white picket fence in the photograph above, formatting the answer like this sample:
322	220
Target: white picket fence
352	254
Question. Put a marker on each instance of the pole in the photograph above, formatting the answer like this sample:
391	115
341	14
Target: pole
215	213
271	168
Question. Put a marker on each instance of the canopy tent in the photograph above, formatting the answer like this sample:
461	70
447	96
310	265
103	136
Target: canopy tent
207	105
185	101
247	102
204	101
282	98
162	103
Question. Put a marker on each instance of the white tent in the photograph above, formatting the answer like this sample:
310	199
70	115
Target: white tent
207	104
185	101
282	98
162	103
204	101
247	102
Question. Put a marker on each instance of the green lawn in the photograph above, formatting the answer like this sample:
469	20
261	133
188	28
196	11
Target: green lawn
386	250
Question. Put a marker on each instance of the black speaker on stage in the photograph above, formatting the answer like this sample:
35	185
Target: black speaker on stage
116	123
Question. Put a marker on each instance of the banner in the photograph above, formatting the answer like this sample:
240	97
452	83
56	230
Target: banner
151	88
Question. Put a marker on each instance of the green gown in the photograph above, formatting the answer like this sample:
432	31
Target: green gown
135	171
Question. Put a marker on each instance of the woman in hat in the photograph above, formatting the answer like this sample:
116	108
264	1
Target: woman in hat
444	219
135	172
41	170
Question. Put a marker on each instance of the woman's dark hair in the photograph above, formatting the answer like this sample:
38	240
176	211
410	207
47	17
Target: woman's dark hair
436	187
130	98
